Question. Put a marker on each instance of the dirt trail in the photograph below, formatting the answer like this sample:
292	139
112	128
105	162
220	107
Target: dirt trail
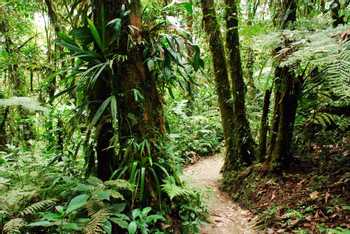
225	216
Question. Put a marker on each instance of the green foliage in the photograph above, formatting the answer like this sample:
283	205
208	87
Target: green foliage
195	129
38	206
141	220
173	190
337	230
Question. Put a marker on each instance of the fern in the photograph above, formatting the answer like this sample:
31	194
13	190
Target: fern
93	206
323	119
38	206
95	226
14	226
173	190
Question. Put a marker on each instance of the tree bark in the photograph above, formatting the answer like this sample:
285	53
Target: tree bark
222	83
104	131
285	13
3	138
264	126
243	142
288	88
52	56
335	7
139	102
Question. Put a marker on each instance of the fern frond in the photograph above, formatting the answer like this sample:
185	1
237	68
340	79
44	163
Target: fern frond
95	226
93	206
173	190
324	119
14	226
38	206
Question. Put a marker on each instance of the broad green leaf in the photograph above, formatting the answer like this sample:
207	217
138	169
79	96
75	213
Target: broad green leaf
103	195
136	213
94	181
118	208
120	222
146	210
132	228
154	218
71	227
77	202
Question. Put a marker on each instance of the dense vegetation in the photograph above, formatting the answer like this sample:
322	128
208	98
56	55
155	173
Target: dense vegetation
103	102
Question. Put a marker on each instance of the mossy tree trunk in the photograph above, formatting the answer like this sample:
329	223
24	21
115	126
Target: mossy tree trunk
252	8
243	141
288	88
139	102
222	83
3	137
139	118
52	56
264	126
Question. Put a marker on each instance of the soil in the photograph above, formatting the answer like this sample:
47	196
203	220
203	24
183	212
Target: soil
225	217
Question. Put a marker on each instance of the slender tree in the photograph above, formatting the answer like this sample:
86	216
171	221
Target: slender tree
243	142
52	55
222	83
287	91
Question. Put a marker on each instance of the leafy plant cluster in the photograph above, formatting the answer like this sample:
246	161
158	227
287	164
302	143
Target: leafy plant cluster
194	128
42	198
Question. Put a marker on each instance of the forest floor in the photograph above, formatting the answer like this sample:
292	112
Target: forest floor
224	215
311	196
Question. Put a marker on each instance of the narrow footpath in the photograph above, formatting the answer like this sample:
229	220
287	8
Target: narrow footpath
226	217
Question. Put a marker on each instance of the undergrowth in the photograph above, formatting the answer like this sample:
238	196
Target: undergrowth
39	197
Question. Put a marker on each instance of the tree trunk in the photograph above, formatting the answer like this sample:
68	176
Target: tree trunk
288	88
335	7
139	102
286	104
243	142
264	126
250	73
3	137
285	13
104	132
222	83
189	83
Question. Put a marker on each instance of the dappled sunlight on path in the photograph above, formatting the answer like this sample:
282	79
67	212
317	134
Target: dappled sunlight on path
225	216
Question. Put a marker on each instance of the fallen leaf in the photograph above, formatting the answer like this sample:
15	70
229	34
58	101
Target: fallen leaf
327	196
273	195
314	195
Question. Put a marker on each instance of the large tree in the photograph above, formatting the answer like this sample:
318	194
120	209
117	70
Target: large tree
243	141
287	91
222	82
